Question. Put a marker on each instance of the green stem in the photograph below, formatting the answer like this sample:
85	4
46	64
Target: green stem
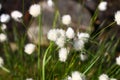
103	29
5	69
90	66
44	62
39	41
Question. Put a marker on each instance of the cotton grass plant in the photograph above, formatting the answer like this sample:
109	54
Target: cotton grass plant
70	55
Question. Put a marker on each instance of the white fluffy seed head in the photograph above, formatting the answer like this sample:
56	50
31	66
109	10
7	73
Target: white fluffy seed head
78	44
117	17
102	6
63	53
3	27
4	18
55	34
1	62
66	19
83	36
83	56
60	42
103	77
29	48
52	35
118	60
16	15
50	3
78	76
70	33
60	33
3	37
35	10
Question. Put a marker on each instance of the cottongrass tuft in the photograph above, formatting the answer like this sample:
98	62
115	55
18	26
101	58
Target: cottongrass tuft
3	27
118	60
16	15
70	33
60	42
76	76
29	48
3	37
58	36
35	10
78	44
117	17
83	36
103	77
52	35
102	6
5	18
66	19
83	56
50	3
63	53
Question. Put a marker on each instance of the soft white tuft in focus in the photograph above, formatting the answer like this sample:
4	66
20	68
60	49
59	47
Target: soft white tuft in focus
103	77
66	19
4	18
83	36
3	37
16	15
1	62
78	44
117	17
118	60
35	10
78	76
60	42
50	3
63	53
102	6
29	48
52	35
70	33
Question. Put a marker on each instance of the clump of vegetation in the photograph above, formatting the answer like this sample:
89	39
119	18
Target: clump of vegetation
70	54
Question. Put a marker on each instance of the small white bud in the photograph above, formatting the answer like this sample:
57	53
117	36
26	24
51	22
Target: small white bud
118	60
3	37
102	6
35	10
3	27
66	19
117	17
103	77
29	48
50	3
4	18
83	56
